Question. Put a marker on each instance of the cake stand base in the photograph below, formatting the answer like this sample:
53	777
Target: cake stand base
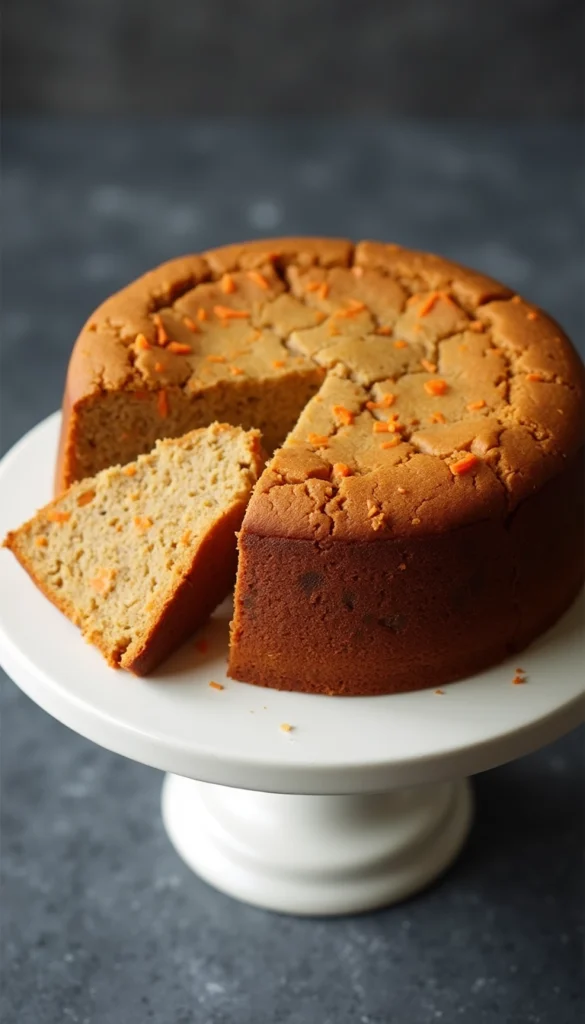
317	855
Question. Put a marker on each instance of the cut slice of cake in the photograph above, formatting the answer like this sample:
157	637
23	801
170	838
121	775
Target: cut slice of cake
140	555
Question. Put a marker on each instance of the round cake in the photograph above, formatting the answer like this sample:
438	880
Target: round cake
421	517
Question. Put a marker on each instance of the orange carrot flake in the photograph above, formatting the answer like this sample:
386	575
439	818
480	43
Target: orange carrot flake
190	324
435	387
340	469
54	515
85	498
158	367
142	342
278	363
429	304
41	542
428	366
400	344
142	523
216	686
464	465
392	443
161	333
215	359
313	286
344	415
235	371
323	290
226	313
179	348
385	331
257	278
472	406
437	417
202	314
534	377
380	428
227	284
319	440
162	404
439	692
103	581
129	470
477	326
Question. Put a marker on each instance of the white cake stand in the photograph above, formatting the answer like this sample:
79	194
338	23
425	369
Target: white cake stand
362	803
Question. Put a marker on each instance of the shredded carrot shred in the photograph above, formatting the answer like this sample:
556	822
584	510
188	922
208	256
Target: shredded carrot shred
534	377
179	348
142	342
435	387
344	415
142	523
226	313
216	359
429	304
438	417
323	290
380	428
235	371
227	284
162	403
340	469
319	440
202	314
313	286
332	330
440	692
278	363
85	498
385	331
158	367
161	333
400	344
190	324
129	470
355	306
216	686
320	316
464	465
54	515
41	542
257	278
392	443
103	581
476	325
472	406
428	366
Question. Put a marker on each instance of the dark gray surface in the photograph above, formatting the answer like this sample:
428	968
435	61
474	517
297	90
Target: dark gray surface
102	923
424	57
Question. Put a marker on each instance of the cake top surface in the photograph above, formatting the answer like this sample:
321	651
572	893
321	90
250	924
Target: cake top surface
446	398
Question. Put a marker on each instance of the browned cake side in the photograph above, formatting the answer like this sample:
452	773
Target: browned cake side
139	556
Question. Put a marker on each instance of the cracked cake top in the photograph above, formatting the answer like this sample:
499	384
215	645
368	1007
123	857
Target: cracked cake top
446	398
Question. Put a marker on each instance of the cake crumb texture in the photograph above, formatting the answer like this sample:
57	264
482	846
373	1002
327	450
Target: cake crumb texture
138	560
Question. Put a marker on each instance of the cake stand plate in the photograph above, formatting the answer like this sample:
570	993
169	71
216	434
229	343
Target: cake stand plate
361	803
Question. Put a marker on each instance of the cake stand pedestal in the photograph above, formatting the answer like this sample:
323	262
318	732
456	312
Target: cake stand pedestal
362	803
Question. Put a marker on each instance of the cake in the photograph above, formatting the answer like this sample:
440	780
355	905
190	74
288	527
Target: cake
140	555
421	517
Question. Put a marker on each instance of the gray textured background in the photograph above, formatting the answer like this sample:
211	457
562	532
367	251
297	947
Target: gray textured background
102	923
422	57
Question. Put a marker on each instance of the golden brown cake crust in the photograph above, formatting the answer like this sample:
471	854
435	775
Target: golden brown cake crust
449	408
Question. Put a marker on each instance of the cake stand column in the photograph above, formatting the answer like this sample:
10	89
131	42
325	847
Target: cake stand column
317	855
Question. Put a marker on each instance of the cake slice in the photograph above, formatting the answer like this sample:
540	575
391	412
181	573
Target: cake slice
140	555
